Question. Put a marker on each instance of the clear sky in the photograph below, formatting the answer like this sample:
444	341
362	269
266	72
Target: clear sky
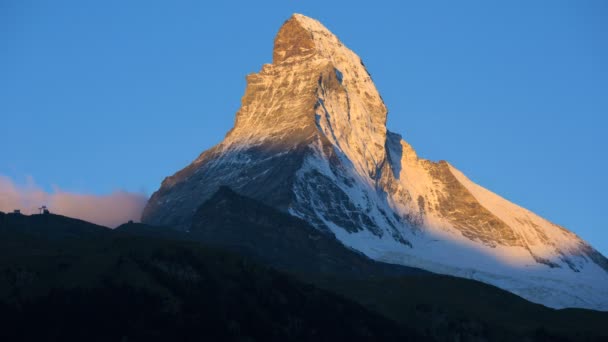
97	96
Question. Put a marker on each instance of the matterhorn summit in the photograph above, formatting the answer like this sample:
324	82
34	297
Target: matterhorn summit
310	139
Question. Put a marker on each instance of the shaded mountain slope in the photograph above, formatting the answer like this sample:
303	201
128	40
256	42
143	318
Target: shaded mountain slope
150	282
119	287
50	226
442	305
437	305
251	228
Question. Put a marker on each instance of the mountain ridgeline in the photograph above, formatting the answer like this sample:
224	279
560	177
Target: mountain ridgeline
244	271
63	279
310	140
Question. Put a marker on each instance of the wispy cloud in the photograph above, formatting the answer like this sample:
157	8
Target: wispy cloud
109	210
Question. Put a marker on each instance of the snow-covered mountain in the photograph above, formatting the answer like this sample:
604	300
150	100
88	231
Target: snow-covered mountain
310	139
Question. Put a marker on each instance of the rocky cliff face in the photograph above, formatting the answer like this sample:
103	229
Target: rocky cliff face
310	139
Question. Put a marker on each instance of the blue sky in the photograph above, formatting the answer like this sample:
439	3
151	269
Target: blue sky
100	96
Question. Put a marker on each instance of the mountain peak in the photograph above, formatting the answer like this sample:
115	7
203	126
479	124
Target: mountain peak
301	36
293	39
316	90
310	139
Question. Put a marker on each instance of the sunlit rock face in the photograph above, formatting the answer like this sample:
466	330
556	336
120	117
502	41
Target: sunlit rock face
310	139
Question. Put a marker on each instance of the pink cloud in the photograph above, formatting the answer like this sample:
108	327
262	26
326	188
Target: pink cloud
108	210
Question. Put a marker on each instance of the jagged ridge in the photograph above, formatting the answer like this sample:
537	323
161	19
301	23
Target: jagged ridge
310	139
